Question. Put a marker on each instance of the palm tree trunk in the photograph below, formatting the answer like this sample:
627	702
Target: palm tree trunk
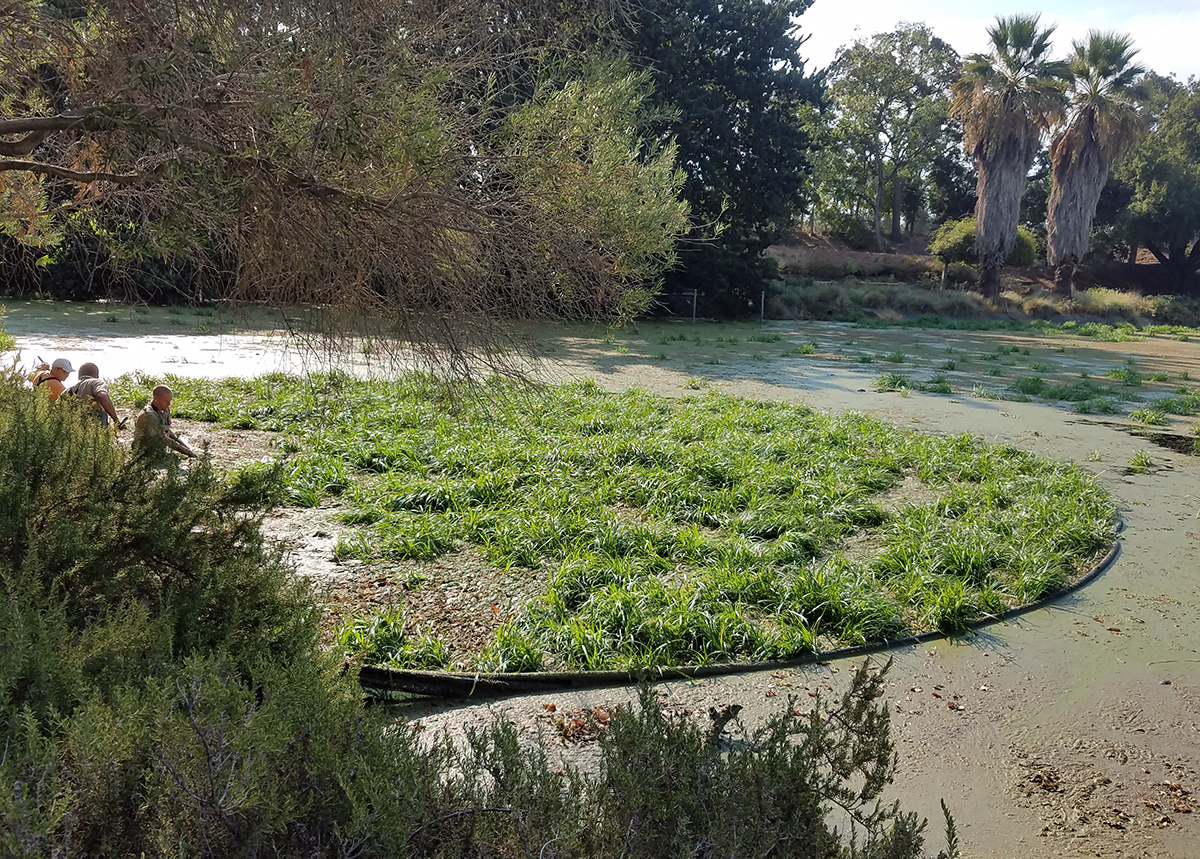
1064	277
989	282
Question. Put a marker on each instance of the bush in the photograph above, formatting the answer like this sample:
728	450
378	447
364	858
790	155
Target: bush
954	242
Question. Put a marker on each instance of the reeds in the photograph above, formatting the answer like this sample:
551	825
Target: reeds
690	531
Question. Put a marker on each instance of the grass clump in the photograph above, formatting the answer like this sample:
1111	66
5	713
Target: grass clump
799	349
1140	463
892	381
1127	374
691	531
1099	406
938	384
1151	417
384	639
1184	402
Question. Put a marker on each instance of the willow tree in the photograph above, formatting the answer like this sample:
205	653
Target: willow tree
428	166
1006	100
1102	123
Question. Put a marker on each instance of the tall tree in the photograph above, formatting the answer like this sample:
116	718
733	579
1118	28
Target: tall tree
1163	173
730	74
430	166
1101	125
892	92
1006	100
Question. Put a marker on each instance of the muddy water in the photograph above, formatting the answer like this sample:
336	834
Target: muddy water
1077	727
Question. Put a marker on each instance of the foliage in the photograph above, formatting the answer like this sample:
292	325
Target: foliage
952	178
731	75
384	639
849	229
954	242
466	166
1006	99
1163	174
1102	123
673	531
889	98
6	340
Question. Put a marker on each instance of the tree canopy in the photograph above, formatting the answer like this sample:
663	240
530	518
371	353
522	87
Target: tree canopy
1163	174
890	95
435	166
730	81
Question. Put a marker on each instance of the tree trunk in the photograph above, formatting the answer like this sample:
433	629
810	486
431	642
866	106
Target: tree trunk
945	275
989	283
897	202
879	204
1064	278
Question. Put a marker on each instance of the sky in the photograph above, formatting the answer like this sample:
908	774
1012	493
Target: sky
1167	32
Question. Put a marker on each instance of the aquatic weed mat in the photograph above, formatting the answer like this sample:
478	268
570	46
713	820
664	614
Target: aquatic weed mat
669	531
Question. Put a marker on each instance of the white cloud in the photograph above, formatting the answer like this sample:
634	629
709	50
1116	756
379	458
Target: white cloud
1166	34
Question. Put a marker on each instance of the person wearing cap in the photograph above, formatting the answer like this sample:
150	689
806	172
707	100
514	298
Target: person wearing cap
52	377
152	434
93	393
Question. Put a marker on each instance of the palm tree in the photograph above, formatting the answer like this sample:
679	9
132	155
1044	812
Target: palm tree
1006	100
1102	124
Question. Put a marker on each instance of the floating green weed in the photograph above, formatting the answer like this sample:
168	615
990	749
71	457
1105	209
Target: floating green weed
938	384
1140	462
1152	417
667	531
1098	406
798	350
892	381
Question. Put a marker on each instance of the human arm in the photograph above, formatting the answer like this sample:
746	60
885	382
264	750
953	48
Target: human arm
106	403
177	444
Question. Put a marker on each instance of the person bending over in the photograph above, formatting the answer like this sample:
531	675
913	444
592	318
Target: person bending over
152	433
93	393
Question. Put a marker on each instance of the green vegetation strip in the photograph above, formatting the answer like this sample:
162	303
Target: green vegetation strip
671	532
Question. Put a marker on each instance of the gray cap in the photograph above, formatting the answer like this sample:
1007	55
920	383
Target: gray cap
62	364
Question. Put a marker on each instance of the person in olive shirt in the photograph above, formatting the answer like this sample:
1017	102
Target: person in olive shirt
92	392
152	434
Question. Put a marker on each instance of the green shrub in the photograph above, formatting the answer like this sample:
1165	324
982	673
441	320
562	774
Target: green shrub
954	242
6	340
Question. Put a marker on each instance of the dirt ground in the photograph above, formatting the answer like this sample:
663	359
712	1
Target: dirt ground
1076	730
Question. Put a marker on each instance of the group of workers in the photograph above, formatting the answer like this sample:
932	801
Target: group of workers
152	433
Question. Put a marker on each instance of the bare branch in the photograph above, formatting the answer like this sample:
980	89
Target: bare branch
85	178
